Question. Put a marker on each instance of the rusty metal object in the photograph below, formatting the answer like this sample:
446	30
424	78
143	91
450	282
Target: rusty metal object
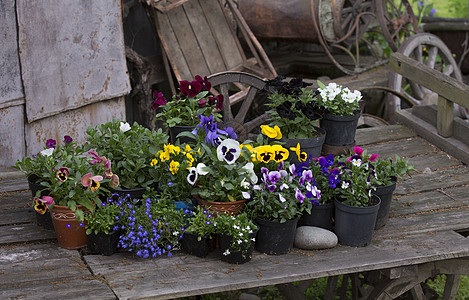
279	19
397	21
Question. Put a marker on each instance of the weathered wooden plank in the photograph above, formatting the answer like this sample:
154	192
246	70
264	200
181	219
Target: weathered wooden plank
432	79
17	216
444	120
179	276
13	182
206	40
403	148
24	233
77	60
434	180
226	40
450	145
11	87
44	271
426	222
433	161
187	41
430	201
12	146
373	135
170	45
68	288
18	199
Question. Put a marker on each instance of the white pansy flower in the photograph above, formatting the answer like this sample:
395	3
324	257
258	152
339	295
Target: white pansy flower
124	126
47	152
246	195
201	169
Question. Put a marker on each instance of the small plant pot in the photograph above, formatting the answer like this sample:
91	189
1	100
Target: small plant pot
275	238
340	130
70	232
102	243
136	193
385	194
321	216
312	147
354	225
234	208
45	220
174	131
235	257
191	245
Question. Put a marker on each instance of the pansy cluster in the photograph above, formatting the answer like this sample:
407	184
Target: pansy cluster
193	99
283	195
151	229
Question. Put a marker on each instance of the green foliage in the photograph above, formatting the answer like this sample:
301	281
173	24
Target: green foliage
239	227
294	114
202	223
130	149
387	169
103	219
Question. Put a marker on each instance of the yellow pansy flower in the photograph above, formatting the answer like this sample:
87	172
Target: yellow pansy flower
264	153
280	153
154	162
273	133
174	167
302	156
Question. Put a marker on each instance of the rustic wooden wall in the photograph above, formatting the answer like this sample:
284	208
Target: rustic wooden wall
73	71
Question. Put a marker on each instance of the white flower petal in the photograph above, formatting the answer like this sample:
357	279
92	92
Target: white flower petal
47	152
124	126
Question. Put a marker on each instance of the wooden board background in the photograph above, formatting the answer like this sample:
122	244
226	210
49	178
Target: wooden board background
72	54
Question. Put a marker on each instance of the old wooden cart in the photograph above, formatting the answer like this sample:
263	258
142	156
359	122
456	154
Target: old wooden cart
426	235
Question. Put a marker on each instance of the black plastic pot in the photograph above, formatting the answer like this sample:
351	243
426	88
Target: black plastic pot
340	130
321	216
174	131
235	257
191	245
311	146
135	193
385	194
354	225
45	220
102	243
275	238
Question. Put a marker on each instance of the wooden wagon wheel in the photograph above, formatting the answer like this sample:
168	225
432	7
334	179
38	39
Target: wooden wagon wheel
345	32
245	94
430	50
397	21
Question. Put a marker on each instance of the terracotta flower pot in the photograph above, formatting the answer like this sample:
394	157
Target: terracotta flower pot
70	232
235	207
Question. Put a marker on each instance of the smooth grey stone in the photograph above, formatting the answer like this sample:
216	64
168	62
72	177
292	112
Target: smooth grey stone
310	238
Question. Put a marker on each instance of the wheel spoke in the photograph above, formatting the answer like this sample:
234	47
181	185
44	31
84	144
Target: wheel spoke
227	114
416	89
256	122
448	70
432	53
241	115
418	53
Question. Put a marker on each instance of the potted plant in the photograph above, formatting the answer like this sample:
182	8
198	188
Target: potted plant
171	165
356	208
182	112
388	171
277	202
102	226
131	148
342	114
74	185
327	179
198	238
222	176
294	109
36	169
237	236
152	228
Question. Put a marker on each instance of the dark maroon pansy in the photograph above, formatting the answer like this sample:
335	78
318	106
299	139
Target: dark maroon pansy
67	139
190	89
50	143
158	100
202	103
219	102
